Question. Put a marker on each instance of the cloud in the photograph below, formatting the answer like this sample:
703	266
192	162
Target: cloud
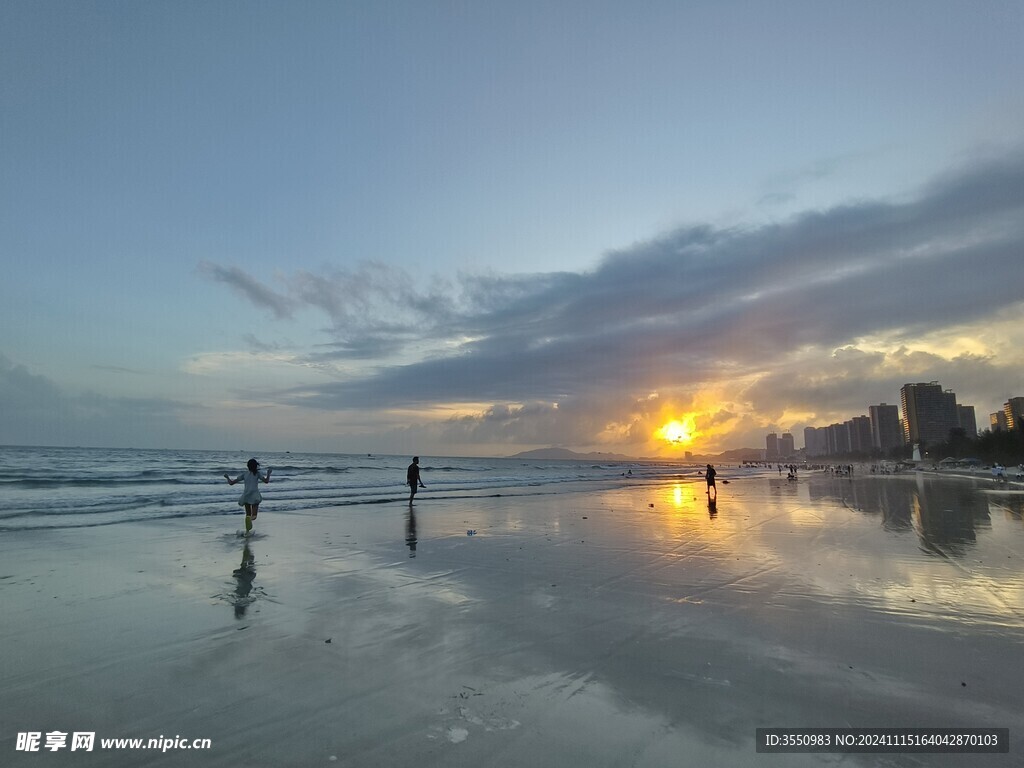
23	390
118	369
249	287
685	311
782	187
843	385
38	412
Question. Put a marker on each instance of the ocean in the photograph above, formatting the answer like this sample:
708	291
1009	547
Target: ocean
84	487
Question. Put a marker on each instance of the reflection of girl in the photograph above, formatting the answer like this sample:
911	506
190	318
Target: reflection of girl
250	498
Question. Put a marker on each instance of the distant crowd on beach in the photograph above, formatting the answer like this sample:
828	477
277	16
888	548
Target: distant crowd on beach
887	469
999	472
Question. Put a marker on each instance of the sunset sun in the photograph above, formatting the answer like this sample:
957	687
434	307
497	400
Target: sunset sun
677	432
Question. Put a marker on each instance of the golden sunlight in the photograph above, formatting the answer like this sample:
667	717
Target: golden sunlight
678	432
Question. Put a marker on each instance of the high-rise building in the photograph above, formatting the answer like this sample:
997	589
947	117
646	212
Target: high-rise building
967	420
815	442
1014	410
786	445
886	430
997	421
838	439
928	413
860	434
771	443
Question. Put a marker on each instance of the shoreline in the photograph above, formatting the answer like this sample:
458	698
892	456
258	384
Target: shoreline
623	626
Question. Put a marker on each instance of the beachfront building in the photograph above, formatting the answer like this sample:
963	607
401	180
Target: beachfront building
838	437
859	430
1014	411
815	442
886	429
967	420
771	445
929	413
787	449
997	421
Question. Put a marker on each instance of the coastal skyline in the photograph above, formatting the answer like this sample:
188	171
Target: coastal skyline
477	230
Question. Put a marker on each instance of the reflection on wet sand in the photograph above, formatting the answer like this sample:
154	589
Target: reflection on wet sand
783	488
1011	505
410	532
620	627
712	501
244	575
945	514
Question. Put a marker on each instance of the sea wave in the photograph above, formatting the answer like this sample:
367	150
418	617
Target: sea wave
76	487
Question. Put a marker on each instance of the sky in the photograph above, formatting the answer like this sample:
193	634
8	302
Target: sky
477	228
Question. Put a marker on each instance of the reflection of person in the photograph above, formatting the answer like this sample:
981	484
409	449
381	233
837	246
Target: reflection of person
244	574
709	475
412	477
248	559
250	498
410	532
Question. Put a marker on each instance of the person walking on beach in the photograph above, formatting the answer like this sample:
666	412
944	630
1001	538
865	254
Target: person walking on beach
250	498
709	475
412	477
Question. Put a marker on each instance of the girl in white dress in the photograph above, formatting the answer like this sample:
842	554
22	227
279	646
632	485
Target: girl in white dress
250	498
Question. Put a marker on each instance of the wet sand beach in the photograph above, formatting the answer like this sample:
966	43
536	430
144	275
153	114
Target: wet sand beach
627	627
